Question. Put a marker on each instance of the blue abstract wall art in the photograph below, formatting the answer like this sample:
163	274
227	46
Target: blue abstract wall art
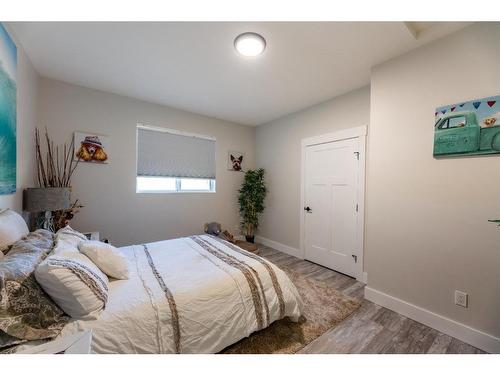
8	108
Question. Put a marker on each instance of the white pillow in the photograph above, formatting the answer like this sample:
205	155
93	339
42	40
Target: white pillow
107	257
12	228
67	240
74	283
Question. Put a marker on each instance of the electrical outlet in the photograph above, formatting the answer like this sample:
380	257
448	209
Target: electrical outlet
461	298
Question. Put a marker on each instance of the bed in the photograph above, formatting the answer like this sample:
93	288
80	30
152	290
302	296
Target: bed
195	294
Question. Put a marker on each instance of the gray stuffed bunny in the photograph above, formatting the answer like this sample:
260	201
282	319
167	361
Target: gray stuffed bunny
213	228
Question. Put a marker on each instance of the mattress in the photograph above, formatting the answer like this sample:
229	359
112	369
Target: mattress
195	294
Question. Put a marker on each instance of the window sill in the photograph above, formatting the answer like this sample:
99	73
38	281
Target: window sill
174	192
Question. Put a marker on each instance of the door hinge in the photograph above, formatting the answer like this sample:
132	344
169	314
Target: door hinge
357	207
355	258
357	154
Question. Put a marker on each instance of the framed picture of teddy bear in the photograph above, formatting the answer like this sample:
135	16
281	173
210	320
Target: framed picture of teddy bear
235	161
91	148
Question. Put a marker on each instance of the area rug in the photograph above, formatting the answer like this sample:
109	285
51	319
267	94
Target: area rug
324	308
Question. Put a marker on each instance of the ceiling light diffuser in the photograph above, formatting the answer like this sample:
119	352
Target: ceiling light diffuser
250	44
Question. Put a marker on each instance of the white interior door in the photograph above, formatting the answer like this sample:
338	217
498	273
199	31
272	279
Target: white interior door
330	205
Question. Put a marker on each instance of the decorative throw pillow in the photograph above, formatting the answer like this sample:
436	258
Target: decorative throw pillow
76	284
67	240
12	228
107	257
26	312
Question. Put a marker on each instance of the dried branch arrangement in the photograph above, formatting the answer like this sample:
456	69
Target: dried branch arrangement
58	165
63	217
55	167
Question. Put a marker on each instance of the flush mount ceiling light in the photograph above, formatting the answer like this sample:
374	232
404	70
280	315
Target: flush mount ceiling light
250	44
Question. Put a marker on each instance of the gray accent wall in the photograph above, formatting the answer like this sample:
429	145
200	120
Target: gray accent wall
427	230
426	225
108	192
278	150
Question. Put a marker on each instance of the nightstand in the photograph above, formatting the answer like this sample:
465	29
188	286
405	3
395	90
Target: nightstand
93	236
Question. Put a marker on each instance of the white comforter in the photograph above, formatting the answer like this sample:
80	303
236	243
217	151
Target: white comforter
220	294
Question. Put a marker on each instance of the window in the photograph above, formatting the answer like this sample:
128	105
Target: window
457	122
444	124
453	122
156	184
169	161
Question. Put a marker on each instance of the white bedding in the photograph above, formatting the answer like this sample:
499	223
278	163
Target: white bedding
211	284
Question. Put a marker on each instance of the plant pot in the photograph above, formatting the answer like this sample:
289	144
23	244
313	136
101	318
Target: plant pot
250	239
41	203
46	199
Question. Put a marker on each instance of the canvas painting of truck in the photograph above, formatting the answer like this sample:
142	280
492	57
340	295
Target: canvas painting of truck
468	128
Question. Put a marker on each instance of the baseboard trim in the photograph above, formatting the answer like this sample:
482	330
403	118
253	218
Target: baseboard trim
453	328
279	246
365	278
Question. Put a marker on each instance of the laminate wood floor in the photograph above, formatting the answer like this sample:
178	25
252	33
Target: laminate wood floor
372	328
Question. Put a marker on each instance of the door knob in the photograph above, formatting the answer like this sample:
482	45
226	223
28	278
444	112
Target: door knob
308	209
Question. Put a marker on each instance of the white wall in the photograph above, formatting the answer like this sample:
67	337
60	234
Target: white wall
426	219
27	88
278	151
112	206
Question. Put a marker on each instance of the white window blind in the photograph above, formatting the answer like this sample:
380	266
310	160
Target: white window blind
164	154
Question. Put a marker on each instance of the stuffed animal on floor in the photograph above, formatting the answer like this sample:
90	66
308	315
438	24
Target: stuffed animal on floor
228	236
215	229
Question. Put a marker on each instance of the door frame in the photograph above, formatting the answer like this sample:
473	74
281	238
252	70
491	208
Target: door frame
360	133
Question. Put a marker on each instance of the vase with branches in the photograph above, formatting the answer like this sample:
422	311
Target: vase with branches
55	165
251	200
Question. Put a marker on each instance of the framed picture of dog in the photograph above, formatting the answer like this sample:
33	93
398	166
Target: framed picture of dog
91	148
235	160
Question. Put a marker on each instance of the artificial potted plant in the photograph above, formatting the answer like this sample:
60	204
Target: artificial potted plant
251	200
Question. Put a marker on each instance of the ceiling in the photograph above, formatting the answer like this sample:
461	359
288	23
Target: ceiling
193	66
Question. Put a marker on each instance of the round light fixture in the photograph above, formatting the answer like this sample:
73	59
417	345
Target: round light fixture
250	44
